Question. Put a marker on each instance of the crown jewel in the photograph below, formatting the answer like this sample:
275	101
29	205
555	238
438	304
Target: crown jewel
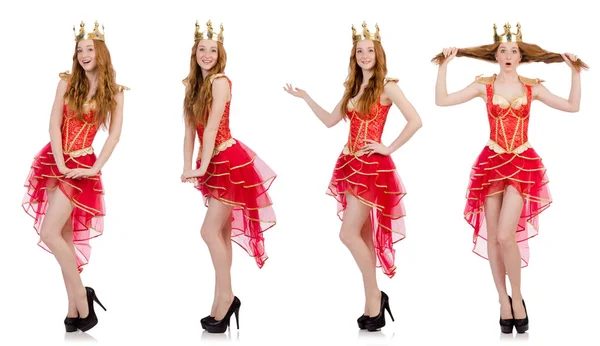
508	36
366	34
209	34
94	35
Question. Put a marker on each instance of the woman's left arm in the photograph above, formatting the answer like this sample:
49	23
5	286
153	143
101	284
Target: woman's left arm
114	134
572	104
393	92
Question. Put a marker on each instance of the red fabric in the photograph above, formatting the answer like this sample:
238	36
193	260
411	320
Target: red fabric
508	126
237	177
492	172
86	196
77	134
223	133
373	180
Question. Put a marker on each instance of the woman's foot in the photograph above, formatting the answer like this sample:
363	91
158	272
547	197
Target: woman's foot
81	304
518	308
505	308
223	306
374	304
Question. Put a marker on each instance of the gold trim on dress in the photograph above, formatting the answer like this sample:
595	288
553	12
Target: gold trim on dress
497	148
80	152
221	147
490	80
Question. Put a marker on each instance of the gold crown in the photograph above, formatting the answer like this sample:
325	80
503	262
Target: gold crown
366	34
210	34
94	35
508	36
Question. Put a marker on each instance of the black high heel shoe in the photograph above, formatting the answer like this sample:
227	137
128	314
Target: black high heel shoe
214	326
375	323
204	320
506	325
70	324
87	323
522	324
361	321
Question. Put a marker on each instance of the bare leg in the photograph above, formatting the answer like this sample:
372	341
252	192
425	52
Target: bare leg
366	234
512	205
354	219
226	235
216	217
493	205
67	235
57	215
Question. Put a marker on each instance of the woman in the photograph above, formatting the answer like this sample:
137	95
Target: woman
365	182
508	186
64	189
232	179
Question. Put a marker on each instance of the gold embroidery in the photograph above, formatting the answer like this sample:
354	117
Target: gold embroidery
501	101
485	80
65	76
390	79
80	152
221	147
499	150
215	76
524	80
530	81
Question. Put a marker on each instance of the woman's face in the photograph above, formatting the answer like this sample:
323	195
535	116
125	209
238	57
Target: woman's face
86	55
508	55
365	54
207	54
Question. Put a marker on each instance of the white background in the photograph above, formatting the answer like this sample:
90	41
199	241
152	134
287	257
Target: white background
153	272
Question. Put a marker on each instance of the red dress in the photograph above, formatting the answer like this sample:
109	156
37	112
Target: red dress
86	194
237	177
373	180
508	159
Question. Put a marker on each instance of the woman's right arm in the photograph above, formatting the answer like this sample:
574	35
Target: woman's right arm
328	119
442	98
56	118
188	148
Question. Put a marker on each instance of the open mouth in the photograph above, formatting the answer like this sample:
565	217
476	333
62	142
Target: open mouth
508	64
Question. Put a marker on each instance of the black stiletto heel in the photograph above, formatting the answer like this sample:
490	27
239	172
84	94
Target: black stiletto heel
70	324
522	324
506	325
87	323
375	323
214	326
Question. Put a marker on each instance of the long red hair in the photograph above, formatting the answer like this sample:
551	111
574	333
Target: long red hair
79	87
198	90
355	78
529	53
